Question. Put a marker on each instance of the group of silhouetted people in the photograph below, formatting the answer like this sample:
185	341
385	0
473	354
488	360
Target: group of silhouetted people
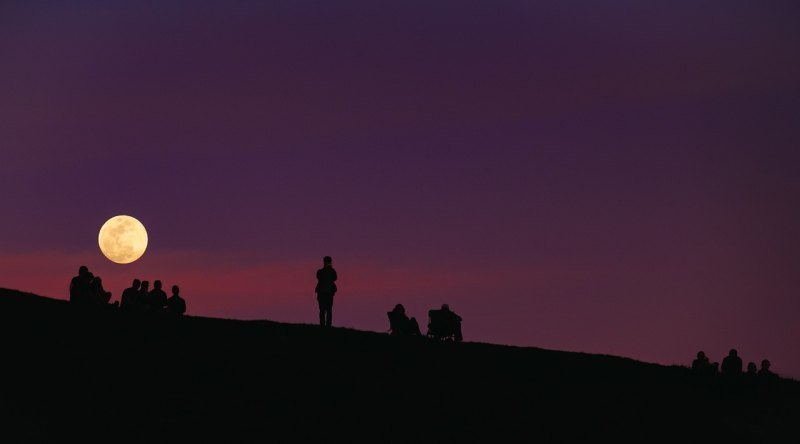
442	323
138	298
731	367
87	289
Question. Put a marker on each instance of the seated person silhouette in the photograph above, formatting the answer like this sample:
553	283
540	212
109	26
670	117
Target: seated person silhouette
98	295
80	286
130	297
732	364
176	306
444	324
157	298
765	372
143	297
400	324
702	366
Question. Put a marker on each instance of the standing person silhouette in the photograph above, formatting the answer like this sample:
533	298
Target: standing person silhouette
326	289
143	297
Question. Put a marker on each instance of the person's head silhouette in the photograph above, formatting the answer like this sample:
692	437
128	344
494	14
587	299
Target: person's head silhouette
764	365
327	261
145	285
157	285
175	290
751	368
733	353
701	355
82	270
399	308
136	284
445	307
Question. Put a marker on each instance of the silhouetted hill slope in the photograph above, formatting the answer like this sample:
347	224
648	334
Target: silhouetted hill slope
71	374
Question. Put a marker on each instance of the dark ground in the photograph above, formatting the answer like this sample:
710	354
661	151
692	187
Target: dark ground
70	374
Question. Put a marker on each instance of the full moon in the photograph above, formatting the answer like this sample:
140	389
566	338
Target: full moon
122	239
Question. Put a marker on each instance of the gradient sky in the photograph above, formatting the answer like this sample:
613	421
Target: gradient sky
616	177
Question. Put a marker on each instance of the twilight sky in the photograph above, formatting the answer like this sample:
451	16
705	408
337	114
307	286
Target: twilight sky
614	177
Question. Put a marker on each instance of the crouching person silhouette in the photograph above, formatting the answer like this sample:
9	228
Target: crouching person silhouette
400	324
326	289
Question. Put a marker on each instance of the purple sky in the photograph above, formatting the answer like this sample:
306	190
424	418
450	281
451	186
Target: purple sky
609	177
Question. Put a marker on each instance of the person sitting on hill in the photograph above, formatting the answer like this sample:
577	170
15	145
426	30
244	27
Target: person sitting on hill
176	306
130	297
98	295
454	319
80	286
143	296
444	324
400	324
732	364
157	299
701	365
765	372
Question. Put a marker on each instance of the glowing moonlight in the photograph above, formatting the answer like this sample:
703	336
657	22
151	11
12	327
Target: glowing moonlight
122	239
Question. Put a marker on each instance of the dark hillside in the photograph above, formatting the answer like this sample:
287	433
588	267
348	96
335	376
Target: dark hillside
71	373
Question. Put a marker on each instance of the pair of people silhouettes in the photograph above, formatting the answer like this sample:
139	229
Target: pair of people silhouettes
763	372
443	323
87	289
138	298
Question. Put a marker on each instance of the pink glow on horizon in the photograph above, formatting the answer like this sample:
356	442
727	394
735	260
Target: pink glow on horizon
577	307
